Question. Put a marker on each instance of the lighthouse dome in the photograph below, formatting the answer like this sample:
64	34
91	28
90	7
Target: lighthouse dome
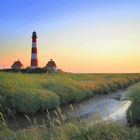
34	35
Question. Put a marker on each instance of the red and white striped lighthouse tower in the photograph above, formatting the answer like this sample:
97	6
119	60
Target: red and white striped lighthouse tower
34	59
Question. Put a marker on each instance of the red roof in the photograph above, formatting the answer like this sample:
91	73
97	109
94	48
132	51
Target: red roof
51	64
17	64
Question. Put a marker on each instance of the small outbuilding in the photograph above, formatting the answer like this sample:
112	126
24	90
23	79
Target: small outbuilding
51	66
17	65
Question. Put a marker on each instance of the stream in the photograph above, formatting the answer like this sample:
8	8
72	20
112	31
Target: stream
100	107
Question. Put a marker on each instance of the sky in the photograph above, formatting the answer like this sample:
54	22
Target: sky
86	36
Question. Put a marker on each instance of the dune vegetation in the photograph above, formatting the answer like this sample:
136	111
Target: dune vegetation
74	130
29	93
133	113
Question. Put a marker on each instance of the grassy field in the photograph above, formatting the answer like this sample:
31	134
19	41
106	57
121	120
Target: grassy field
133	113
29	93
74	130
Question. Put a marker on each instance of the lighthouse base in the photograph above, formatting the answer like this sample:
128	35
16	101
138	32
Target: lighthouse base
33	67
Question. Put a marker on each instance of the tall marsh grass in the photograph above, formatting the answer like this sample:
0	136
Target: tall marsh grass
74	130
133	113
29	93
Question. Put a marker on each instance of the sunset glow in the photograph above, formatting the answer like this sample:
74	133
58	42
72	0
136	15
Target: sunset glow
79	35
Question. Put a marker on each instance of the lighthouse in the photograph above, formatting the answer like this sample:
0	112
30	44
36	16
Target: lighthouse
34	58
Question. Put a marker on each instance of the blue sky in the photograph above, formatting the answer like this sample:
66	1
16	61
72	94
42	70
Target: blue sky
84	29
28	14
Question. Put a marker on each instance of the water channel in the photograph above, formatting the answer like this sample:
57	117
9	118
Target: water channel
106	107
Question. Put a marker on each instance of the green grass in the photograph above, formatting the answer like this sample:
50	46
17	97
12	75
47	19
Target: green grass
29	93
133	113
73	131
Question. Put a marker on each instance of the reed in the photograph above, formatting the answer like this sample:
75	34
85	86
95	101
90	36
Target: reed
30	93
133	113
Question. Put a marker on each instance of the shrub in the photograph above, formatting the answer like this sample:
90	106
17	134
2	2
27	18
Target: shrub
33	100
68	91
133	113
112	86
73	131
105	131
66	88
